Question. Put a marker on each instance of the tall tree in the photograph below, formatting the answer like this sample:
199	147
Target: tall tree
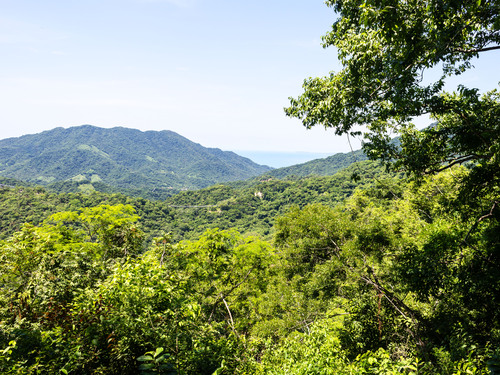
385	47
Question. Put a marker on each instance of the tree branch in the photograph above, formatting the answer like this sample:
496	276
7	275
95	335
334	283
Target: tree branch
451	163
490	213
475	50
230	316
398	305
222	295
487	215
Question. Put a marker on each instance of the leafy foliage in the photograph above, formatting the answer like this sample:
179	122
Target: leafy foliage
249	207
392	280
386	276
385	47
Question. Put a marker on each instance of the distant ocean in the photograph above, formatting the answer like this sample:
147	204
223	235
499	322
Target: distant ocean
281	159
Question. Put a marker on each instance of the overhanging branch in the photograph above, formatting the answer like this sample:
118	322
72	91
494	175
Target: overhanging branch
476	50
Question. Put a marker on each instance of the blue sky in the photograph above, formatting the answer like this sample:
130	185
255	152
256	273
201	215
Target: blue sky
218	72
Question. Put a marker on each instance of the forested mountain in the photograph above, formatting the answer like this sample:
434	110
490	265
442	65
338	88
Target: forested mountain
320	167
378	274
119	158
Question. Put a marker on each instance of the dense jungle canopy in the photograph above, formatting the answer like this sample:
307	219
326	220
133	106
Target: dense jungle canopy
386	275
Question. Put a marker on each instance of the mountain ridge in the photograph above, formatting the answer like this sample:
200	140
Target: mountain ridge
319	167
120	157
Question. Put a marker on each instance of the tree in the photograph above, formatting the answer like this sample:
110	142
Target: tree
44	269
385	47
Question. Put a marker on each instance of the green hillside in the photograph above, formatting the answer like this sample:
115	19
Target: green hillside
329	267
248	206
89	158
395	278
252	206
320	167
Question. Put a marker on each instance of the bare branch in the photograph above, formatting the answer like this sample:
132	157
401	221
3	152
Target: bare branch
473	227
460	160
476	50
230	316
490	213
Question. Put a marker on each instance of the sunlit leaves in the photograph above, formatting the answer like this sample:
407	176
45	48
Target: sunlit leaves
385	48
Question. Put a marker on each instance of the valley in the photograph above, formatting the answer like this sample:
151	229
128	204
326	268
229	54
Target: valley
336	255
141	252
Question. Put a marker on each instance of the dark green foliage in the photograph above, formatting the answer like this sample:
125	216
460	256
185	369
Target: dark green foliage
427	251
252	206
391	279
319	167
11	182
385	48
248	206
88	158
392	276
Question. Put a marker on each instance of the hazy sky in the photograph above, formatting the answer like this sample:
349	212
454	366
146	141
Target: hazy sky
218	72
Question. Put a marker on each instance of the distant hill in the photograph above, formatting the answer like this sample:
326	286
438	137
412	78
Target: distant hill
281	159
249	206
319	167
10	182
90	157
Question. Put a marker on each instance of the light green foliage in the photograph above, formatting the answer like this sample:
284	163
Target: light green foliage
316	352
111	226
228	273
393	277
139	305
385	48
398	278
194	299
320	352
80	299
45	268
345	282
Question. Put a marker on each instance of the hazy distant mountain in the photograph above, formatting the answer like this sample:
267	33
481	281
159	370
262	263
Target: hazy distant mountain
121	158
319	167
281	159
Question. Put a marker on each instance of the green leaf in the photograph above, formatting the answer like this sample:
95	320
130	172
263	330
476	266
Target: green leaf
158	352
144	358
